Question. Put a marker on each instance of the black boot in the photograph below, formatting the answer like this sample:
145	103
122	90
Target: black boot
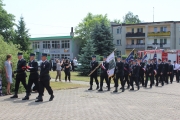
109	88
116	89
132	89
40	99
128	86
15	95
26	97
90	87
123	89
100	89
97	87
51	98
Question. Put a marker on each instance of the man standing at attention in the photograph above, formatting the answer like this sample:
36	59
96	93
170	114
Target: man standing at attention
44	80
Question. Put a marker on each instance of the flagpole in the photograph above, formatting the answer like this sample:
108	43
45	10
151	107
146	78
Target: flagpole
130	52
100	64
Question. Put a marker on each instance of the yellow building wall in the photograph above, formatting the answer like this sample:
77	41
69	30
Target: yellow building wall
151	28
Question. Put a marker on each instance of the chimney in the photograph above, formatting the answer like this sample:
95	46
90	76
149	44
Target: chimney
72	33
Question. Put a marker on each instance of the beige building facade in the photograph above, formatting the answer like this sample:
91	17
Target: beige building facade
143	36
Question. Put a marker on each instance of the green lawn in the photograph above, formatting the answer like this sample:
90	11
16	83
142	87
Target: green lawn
74	76
62	85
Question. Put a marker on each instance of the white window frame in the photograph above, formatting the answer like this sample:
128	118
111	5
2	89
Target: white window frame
47	45
155	29
55	44
35	45
65	44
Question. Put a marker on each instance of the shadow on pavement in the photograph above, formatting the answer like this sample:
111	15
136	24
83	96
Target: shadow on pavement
37	103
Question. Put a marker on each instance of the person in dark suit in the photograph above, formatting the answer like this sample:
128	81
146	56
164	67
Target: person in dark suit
149	73
166	66
141	72
44	79
126	73
21	75
67	66
119	72
33	77
154	62
135	75
170	71
104	75
160	71
93	65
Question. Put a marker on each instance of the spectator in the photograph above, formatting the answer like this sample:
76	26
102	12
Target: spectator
50	64
75	63
8	71
54	64
58	69
0	84
72	65
67	67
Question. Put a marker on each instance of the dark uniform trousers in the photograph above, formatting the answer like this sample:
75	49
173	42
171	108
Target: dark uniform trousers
126	79
170	75
33	78
135	76
102	79
141	77
121	80
67	75
151	80
176	72
20	77
159	78
93	77
134	79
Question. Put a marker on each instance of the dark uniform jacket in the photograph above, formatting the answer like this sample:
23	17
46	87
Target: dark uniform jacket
126	69
135	70
119	69
160	68
141	69
33	70
44	73
166	66
170	68
104	71
149	69
93	65
21	63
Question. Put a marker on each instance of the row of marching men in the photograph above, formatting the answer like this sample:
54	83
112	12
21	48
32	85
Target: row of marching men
137	71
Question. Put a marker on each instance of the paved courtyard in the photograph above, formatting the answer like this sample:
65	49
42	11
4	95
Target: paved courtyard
158	103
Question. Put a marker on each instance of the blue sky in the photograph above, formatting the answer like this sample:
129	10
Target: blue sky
56	17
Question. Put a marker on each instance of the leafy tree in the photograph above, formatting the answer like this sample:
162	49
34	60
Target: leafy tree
102	39
6	23
130	18
84	29
5	49
117	21
22	35
85	58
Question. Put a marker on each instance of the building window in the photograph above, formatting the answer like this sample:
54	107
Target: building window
155	41
140	42
55	44
65	44
65	56
56	56
165	41
118	42
155	29
165	29
46	45
132	42
118	53
140	30
118	31
35	45
132	30
161	41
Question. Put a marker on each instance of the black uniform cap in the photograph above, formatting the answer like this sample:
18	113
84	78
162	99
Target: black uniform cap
159	59
169	60
32	54
93	56
44	54
174	61
19	53
119	56
105	56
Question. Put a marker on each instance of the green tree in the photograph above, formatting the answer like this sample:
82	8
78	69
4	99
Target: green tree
102	39
22	36
84	29
130	18
5	49
6	23
85	57
117	21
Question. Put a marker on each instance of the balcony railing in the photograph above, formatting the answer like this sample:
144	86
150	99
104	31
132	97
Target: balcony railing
158	45
139	34
159	33
142	46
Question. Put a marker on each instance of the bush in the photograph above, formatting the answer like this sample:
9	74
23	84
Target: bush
5	49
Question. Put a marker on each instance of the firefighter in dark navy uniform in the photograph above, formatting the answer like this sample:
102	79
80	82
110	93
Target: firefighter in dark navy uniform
119	72
21	75
126	73
149	73
33	77
141	72
160	71
93	65
44	79
135	75
104	74
170	71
